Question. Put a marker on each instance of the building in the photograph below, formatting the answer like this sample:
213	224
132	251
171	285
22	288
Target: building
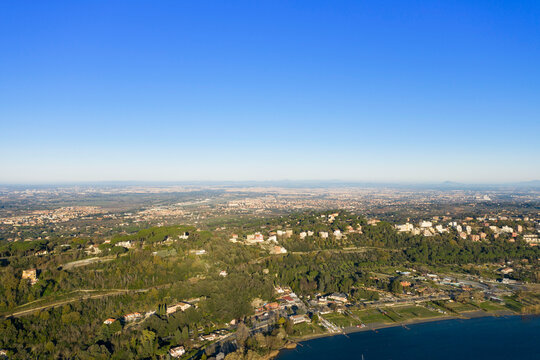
278	250
531	239
426	224
132	316
198	252
340	297
126	244
405	227
297	319
180	306
31	275
223	273
177	351
109	321
271	306
323	234
254	238
507	229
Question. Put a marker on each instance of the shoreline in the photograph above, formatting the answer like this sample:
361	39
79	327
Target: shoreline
377	326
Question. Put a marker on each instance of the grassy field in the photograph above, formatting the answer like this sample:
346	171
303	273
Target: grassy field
306	329
461	307
341	319
369	316
490	306
412	312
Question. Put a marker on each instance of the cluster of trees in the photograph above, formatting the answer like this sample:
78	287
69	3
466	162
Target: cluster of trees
327	272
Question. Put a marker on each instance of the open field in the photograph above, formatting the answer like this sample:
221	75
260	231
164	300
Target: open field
304	329
369	316
411	312
341	320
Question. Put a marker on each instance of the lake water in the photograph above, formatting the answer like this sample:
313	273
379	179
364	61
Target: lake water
512	337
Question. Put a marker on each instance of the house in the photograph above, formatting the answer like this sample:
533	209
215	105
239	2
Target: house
278	250
198	252
109	321
180	306
126	244
288	299
426	224
323	234
255	238
297	319
31	275
337	234
405	283
177	351
223	273
303	234
132	316
271	306
507	229
405	227
340	297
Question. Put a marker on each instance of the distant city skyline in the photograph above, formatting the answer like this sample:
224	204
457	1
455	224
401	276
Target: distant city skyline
377	91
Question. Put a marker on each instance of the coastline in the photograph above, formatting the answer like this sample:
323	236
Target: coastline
294	342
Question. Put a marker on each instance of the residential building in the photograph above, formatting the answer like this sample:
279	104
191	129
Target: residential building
31	275
177	351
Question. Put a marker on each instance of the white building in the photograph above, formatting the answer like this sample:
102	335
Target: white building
177	351
126	244
405	227
426	224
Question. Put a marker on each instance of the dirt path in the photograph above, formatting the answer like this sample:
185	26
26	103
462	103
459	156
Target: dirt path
79	297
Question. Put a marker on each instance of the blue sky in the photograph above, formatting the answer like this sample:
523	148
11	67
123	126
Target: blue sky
266	90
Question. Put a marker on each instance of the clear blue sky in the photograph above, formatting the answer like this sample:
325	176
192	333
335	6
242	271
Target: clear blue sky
266	90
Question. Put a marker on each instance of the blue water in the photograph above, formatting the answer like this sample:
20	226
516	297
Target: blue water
510	337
